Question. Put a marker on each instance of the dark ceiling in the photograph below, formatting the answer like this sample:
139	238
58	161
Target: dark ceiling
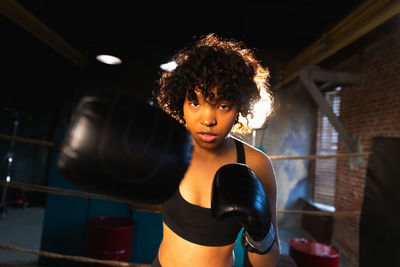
145	35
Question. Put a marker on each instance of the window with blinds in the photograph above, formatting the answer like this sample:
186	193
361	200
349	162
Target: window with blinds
327	141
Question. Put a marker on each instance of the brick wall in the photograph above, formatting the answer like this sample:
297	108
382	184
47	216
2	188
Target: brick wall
367	111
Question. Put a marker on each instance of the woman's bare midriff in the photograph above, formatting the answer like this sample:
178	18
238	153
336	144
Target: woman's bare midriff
176	251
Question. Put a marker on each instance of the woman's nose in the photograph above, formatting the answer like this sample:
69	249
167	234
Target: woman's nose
208	117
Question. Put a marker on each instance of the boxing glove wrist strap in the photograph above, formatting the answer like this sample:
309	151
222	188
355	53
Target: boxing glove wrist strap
259	247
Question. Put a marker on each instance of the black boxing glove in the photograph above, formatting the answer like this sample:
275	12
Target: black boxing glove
120	146
237	191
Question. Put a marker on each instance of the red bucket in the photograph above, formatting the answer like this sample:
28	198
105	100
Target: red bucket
110	238
310	253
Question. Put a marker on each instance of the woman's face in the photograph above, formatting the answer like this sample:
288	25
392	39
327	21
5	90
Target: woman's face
209	121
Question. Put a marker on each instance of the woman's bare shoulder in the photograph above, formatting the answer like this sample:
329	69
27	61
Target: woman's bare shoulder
255	156
260	163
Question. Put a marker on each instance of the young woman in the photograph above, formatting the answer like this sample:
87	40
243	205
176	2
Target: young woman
212	91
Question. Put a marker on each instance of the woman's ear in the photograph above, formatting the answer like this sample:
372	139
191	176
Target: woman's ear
236	119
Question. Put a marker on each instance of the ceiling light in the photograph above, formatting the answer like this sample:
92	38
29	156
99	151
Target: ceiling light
170	66
108	59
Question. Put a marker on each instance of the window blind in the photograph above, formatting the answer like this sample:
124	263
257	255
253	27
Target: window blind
327	141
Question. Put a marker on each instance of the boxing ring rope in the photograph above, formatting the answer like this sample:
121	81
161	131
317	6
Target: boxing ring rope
322	213
347	155
59	191
71	258
157	208
136	206
28	140
146	207
56	146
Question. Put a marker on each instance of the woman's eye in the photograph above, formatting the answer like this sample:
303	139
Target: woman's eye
224	106
194	104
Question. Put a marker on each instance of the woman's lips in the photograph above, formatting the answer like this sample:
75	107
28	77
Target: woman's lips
207	137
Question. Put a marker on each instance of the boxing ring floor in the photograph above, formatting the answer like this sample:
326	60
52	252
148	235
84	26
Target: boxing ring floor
23	228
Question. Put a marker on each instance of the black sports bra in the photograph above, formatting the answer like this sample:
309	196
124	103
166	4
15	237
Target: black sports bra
195	223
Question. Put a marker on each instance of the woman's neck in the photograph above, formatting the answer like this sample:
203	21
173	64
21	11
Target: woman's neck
212	154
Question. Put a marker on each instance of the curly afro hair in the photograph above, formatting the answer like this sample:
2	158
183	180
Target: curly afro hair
210	63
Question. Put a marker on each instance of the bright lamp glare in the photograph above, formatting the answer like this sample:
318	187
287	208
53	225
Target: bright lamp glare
260	114
261	111
108	59
170	66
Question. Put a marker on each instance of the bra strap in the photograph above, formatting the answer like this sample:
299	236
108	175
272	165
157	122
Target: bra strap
241	157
